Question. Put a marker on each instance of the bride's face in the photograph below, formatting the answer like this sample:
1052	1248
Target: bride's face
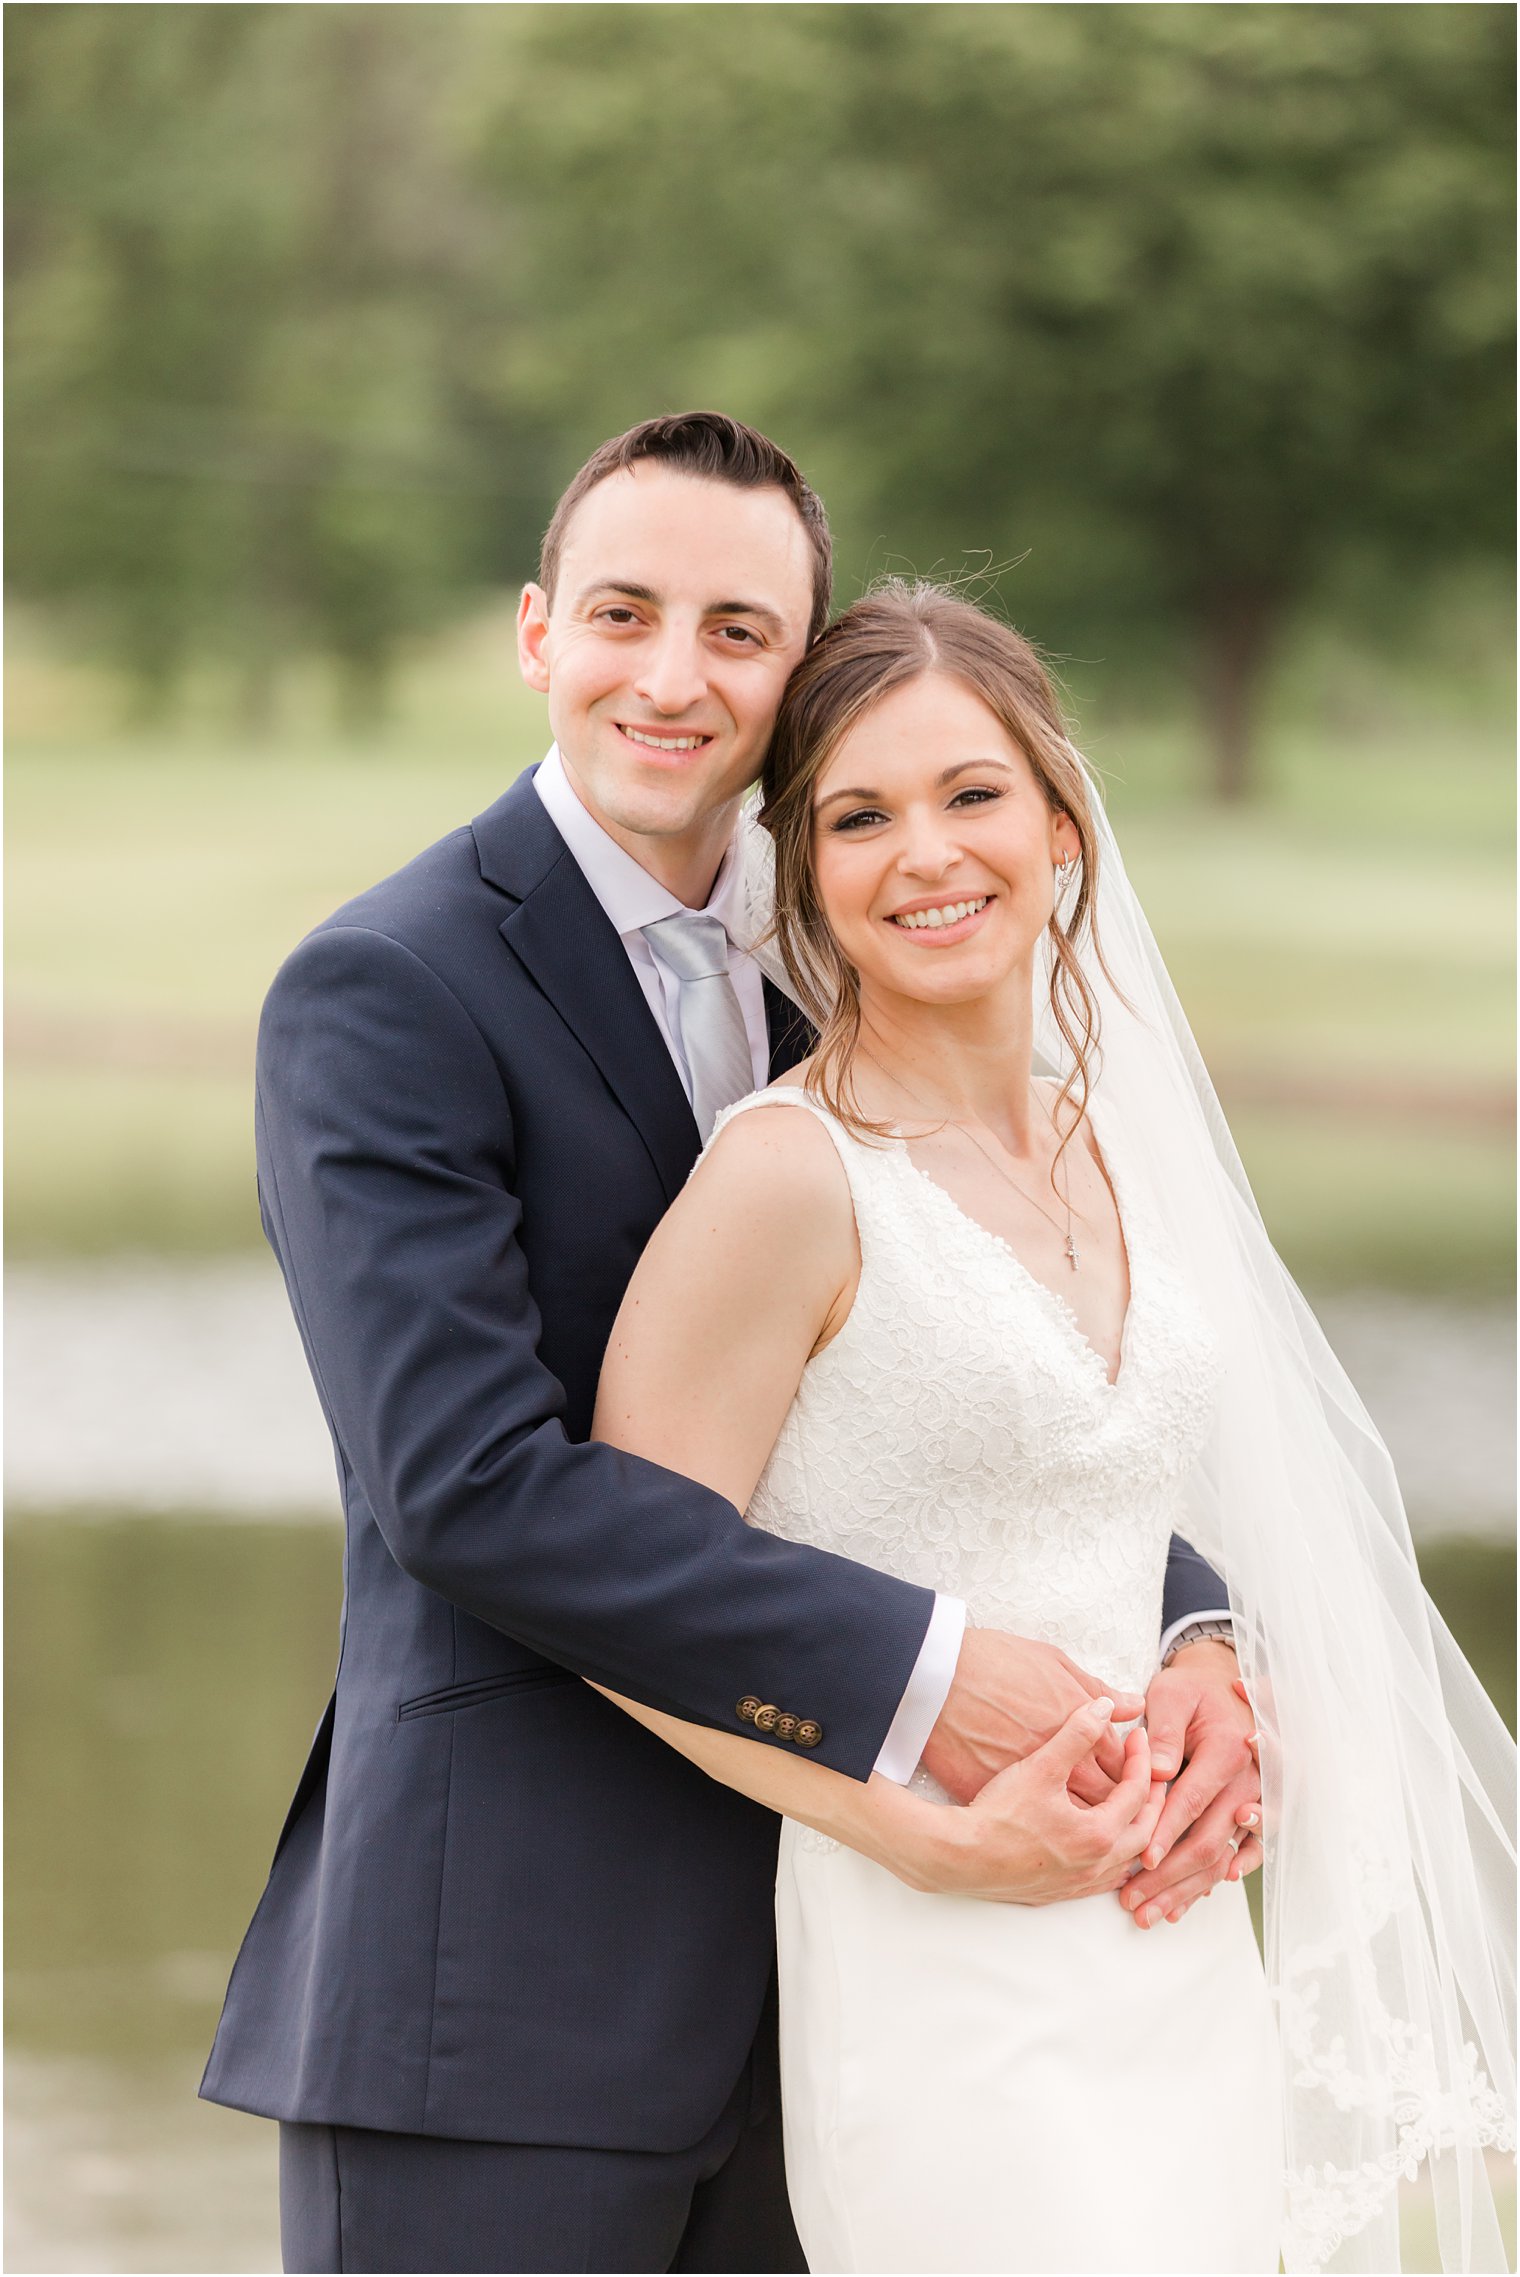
934	847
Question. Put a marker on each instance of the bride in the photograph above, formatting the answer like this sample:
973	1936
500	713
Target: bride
980	1296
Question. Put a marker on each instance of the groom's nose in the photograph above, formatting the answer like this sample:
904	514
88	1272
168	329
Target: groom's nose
671	675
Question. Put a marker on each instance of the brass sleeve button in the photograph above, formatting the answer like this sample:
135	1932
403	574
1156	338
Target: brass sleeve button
808	1734
786	1727
748	1708
767	1718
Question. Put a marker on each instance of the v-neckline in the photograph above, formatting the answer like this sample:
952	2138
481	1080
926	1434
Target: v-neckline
1053	1297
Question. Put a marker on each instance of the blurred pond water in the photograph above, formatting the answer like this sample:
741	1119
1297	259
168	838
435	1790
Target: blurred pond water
163	1678
149	1385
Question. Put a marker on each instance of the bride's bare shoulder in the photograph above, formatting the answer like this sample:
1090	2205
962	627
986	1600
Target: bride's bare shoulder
776	1159
766	1219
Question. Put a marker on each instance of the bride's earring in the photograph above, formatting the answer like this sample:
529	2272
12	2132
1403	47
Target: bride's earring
1064	869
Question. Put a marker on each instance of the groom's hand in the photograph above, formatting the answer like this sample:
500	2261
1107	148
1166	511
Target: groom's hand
1200	1726
1010	1695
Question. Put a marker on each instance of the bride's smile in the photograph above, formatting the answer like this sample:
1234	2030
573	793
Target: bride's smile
941	915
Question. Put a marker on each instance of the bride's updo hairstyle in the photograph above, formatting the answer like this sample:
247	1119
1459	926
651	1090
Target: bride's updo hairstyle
898	631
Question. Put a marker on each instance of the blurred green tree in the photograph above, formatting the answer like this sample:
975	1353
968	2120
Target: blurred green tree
238	261
312	308
1172	304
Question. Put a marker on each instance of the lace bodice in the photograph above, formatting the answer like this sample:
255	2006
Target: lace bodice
962	1432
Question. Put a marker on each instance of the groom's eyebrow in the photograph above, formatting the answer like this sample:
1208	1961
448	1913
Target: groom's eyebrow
946	775
745	609
615	585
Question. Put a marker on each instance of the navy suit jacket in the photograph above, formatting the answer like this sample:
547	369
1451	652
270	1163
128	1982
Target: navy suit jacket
499	1908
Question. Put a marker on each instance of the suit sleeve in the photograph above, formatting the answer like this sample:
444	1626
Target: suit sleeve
386	1184
1192	1587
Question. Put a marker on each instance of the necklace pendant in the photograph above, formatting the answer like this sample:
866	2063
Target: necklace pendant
1071	1254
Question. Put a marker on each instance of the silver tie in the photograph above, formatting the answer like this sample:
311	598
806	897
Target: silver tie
713	1036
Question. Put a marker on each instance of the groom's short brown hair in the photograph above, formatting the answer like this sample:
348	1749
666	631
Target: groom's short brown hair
718	449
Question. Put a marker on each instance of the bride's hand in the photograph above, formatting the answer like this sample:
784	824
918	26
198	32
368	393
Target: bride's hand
1202	1738
1026	1840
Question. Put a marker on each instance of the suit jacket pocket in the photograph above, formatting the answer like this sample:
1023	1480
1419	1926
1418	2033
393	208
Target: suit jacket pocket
454	1696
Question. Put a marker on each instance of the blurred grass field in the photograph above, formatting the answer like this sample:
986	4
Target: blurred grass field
1343	947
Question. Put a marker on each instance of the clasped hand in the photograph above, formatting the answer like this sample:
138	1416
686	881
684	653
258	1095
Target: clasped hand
1060	1807
1026	1840
1203	1740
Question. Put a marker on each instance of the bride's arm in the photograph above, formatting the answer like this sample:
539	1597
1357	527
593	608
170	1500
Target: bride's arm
751	1272
878	1818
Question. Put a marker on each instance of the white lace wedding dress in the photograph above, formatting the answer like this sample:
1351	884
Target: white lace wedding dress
983	2087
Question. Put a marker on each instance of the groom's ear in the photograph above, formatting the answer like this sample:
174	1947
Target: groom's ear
532	633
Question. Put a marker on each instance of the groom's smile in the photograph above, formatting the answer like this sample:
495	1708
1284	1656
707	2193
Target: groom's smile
650	739
680	606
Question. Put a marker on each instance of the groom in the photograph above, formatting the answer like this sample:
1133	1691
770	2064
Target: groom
509	1987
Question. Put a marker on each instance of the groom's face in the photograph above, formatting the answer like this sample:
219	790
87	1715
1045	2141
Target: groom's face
680	607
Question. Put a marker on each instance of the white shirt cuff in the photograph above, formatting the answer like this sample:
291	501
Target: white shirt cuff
928	1689
1209	1613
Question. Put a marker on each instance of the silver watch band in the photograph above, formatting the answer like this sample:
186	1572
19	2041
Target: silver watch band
1198	1632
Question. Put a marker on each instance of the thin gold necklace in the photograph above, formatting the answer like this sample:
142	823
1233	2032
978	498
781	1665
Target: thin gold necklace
954	1123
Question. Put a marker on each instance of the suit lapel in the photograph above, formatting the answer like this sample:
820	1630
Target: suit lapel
562	936
791	1033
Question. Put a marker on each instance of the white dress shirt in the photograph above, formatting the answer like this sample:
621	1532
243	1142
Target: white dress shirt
633	899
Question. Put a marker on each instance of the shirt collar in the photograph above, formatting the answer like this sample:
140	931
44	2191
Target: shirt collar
631	898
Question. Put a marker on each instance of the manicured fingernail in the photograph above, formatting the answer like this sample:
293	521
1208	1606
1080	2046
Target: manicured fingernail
1234	1873
1151	1913
1152	1857
1252	1818
1163	1759
1252	1737
1177	1916
1103	1707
